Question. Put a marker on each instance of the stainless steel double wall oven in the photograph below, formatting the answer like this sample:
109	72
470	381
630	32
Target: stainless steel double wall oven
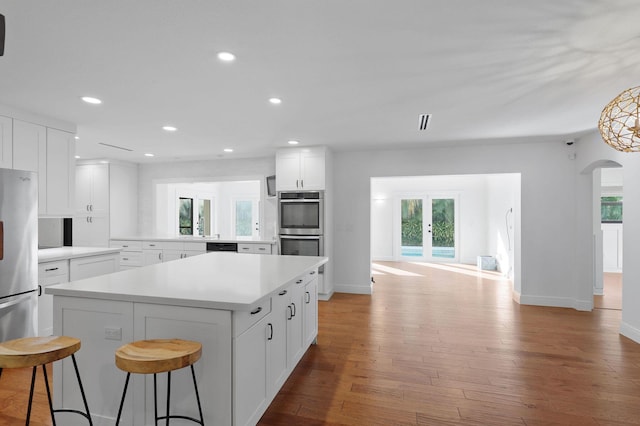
301	223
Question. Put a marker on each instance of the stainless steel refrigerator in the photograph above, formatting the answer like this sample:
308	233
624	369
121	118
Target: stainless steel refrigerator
18	254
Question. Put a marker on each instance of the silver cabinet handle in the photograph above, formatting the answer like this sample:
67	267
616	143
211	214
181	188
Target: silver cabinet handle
160	256
88	207
51	269
301	183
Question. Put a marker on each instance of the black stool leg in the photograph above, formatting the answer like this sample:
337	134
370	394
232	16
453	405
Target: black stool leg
155	398
168	394
46	383
124	393
84	398
195	386
33	382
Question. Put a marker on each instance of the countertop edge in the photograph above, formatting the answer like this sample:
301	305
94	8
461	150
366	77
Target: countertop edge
193	240
76	252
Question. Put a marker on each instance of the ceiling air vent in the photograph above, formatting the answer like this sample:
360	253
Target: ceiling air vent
115	146
423	121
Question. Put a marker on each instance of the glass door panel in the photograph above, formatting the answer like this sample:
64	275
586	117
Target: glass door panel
411	228
442	228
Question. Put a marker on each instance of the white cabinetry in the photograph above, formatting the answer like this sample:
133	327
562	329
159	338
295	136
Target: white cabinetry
310	309
612	247
141	253
50	153
91	221
254	248
6	143
92	266
49	273
299	169
30	153
60	174
26	145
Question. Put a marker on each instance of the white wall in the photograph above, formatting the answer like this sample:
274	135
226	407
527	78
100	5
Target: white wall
149	175
592	149
503	209
547	176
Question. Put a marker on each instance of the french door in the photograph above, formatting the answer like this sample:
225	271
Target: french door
427	228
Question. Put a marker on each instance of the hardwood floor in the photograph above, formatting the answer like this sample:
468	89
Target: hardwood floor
441	345
444	345
612	297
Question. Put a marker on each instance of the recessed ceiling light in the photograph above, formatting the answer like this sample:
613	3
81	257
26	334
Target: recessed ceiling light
228	150
293	142
77	157
104	162
148	155
226	56
169	128
90	100
76	137
275	101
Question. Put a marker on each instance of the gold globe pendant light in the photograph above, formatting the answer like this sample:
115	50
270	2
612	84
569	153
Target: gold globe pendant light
619	123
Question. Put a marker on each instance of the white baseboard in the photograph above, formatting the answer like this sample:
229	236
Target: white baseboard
557	302
325	296
598	292
354	289
629	331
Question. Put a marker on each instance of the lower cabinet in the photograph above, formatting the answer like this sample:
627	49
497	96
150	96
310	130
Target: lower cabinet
49	273
92	266
142	253
269	350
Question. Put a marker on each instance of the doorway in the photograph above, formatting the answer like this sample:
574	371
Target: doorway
428	228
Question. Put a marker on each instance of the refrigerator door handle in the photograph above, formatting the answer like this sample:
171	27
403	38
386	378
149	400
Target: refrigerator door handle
16	301
1	240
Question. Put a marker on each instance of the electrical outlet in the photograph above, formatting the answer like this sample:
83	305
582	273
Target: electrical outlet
113	333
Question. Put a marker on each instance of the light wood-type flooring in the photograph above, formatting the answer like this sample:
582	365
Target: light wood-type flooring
441	345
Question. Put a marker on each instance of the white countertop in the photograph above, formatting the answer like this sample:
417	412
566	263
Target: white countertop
64	253
190	238
215	280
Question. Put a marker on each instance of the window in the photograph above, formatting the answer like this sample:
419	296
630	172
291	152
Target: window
185	220
611	209
244	218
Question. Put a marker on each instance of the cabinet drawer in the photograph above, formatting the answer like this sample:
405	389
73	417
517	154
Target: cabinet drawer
262	248
243	320
126	245
306	278
131	258
245	248
201	247
153	245
53	269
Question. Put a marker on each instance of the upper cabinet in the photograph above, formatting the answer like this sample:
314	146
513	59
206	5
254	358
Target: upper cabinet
92	189
300	169
47	151
6	143
61	174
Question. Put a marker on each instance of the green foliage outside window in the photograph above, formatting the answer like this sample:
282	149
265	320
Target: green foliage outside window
185	216
443	219
411	222
611	209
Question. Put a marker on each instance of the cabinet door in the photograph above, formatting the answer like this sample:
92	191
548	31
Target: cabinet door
45	305
168	255
60	173
100	190
287	170
90	231
310	308
277	371
294	326
30	153
84	175
312	170
6	143
150	257
250	394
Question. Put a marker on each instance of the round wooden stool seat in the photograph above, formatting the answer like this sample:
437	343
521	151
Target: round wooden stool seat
157	356
35	351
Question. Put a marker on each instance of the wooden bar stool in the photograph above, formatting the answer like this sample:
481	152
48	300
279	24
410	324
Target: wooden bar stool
35	351
159	356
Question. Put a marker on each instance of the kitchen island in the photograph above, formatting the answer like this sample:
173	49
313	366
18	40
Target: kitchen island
255	316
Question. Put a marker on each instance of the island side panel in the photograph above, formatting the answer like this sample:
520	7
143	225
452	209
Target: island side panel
90	320
105	325
210	327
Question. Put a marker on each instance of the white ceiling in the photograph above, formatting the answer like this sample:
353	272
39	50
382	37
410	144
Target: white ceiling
352	74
